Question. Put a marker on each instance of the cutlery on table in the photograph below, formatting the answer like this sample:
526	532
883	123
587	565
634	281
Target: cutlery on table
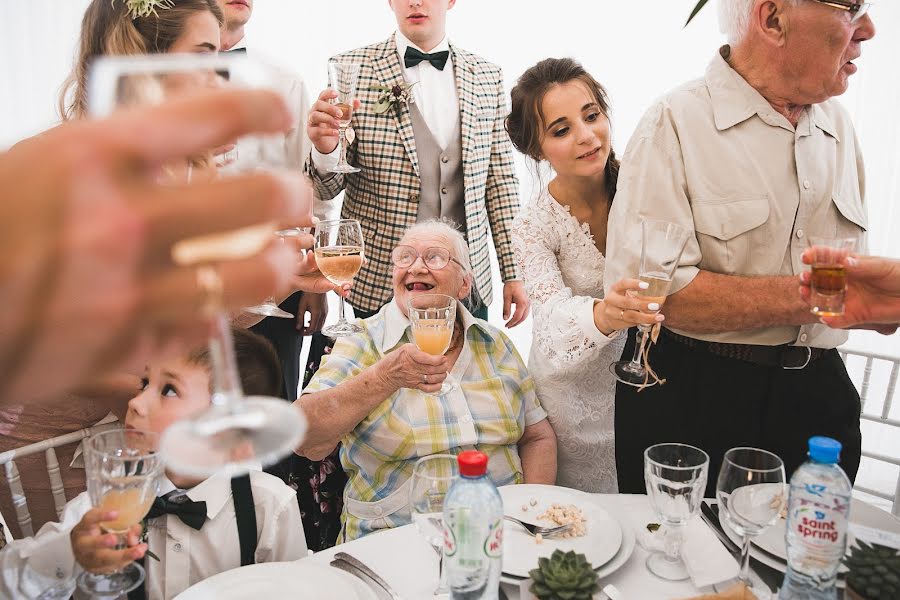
538	529
360	566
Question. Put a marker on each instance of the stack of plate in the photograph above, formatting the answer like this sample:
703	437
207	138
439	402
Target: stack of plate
607	544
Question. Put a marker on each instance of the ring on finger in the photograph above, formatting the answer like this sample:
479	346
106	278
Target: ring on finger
210	283
622	315
424	378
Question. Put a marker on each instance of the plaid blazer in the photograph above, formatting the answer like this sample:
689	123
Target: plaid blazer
384	195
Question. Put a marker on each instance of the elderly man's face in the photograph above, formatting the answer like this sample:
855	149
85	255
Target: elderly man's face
821	44
418	279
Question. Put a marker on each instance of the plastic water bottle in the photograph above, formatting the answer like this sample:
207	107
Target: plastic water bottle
816	537
473	531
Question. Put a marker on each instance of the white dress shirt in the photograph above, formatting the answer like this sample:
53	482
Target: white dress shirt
186	556
434	93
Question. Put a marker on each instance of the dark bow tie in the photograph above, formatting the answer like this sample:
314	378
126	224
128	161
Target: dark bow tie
192	514
414	57
235	51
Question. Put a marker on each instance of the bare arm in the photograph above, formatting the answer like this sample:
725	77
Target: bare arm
537	450
713	303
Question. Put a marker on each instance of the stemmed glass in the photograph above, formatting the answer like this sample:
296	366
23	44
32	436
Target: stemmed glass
343	77
661	246
751	496
432	317
235	433
431	480
122	475
675	476
269	308
339	256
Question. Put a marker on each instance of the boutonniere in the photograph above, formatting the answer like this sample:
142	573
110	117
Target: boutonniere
145	8
396	96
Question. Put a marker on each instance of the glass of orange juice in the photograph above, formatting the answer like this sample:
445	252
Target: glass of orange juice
122	475
433	317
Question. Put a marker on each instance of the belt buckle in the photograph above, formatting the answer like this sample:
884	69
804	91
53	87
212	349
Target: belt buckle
805	363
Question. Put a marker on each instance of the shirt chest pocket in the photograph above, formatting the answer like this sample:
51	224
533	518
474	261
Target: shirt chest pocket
731	233
850	220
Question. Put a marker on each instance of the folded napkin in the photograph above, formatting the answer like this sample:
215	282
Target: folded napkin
736	592
707	561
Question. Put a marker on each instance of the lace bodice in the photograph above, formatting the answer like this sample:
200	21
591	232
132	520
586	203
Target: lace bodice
563	274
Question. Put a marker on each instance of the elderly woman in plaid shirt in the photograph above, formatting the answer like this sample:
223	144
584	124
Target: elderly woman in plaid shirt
376	393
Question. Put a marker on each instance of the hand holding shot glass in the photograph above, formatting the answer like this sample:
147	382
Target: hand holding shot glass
828	281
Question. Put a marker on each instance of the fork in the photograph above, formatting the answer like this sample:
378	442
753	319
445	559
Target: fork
533	529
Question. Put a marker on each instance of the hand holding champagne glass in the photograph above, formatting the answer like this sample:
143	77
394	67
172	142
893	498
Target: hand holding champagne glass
344	78
433	317
431	480
339	256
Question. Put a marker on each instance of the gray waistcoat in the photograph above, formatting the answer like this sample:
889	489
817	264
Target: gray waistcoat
443	192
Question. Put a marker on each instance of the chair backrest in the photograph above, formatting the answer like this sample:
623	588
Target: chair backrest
8	461
882	417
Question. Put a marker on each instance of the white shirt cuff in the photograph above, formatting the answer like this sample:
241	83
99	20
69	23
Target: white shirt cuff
325	162
585	317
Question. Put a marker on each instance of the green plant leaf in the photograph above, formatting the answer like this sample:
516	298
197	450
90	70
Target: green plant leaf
696	10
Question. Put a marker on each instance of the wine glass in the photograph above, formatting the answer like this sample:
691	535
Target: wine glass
122	475
661	246
675	476
235	433
431	480
269	308
432	317
339	255
343	77
751	496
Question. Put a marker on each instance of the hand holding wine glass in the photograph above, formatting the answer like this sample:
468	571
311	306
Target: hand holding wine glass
343	78
433	317
339	256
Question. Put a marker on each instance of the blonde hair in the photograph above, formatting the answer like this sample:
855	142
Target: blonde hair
108	29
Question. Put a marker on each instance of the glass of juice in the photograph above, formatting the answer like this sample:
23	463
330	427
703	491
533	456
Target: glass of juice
432	317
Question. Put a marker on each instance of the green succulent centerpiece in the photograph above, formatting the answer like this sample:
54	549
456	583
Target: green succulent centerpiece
874	571
564	576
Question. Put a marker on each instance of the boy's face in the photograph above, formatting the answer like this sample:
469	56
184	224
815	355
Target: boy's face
170	391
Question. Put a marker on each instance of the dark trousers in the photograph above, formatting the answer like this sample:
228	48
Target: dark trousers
287	341
718	403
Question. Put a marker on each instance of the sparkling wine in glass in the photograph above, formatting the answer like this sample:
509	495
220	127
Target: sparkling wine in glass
431	480
828	284
236	433
433	317
675	476
123	468
339	256
661	246
751	495
343	77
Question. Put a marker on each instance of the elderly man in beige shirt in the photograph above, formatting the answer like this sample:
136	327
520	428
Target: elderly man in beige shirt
753	159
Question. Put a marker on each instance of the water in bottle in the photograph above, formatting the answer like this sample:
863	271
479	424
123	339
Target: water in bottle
816	538
473	531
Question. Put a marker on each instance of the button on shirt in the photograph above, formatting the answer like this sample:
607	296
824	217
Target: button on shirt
489	410
434	93
715	157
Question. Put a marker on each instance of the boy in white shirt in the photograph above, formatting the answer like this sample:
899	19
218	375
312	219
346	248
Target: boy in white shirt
196	528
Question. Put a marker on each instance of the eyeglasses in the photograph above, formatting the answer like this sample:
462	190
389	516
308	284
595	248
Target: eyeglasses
856	9
434	258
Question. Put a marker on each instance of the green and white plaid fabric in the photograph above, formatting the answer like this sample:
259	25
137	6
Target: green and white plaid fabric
493	403
384	196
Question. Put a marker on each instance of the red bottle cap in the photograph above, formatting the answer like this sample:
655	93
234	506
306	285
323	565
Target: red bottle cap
472	463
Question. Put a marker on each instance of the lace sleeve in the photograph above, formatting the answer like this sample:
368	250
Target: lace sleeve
563	329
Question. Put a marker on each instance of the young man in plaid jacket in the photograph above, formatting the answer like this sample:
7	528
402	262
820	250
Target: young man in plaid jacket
443	154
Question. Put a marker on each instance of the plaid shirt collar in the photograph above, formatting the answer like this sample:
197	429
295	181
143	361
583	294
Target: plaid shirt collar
396	325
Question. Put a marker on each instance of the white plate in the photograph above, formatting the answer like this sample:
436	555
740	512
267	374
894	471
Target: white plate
521	551
301	580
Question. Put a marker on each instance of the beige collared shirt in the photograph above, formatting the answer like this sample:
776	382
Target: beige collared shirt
715	157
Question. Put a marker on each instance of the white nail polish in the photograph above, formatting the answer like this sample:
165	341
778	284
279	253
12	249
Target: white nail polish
644	285
653	306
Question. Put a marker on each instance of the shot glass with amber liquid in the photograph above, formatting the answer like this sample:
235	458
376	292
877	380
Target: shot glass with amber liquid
828	283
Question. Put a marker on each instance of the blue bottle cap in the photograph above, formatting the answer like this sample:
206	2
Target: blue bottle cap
824	450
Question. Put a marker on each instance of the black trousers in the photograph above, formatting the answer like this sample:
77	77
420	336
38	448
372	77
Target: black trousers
718	403
287	341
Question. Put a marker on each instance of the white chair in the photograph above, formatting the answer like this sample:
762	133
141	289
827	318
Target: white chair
884	418
8	461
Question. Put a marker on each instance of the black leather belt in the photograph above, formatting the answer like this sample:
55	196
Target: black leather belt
786	356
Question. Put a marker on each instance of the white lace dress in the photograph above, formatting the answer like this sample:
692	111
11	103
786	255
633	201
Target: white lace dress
563	274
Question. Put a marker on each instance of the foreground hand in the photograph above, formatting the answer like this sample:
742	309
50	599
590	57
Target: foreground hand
95	551
514	293
409	367
316	306
89	285
622	308
322	126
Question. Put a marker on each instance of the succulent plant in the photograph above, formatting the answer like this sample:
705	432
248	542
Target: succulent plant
564	576
874	571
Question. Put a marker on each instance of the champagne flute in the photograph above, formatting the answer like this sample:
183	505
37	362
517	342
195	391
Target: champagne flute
432	317
236	433
675	476
431	480
122	476
343	78
661	246
751	495
339	255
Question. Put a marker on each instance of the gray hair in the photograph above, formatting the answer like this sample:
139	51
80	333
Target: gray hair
449	230
734	18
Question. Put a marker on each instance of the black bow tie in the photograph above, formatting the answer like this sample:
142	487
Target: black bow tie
235	51
414	57
192	514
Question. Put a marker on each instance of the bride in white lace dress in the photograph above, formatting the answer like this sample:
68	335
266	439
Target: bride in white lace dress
559	114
